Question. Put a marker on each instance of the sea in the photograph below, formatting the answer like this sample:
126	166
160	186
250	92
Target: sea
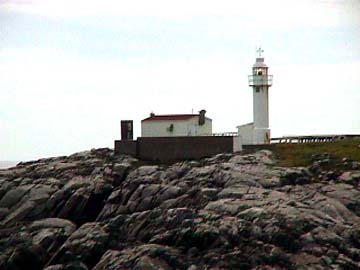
7	164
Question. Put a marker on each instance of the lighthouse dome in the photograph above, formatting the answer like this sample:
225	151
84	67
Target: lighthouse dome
260	63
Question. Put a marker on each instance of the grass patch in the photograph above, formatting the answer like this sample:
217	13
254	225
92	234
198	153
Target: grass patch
294	155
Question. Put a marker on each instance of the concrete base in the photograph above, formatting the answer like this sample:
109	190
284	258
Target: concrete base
237	144
261	136
252	135
178	148
246	132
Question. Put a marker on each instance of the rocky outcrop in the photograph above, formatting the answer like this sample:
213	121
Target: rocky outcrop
95	210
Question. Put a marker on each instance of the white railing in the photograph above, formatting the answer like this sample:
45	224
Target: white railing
313	138
259	80
230	134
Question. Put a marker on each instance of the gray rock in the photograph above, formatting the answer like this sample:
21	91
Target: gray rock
227	206
298	176
120	171
54	223
12	197
3	213
70	266
143	257
87	244
55	267
49	234
350	177
20	213
230	211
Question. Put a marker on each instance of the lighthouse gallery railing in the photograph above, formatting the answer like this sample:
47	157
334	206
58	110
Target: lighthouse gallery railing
259	80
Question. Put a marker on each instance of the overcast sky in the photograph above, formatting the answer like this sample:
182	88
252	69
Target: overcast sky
71	70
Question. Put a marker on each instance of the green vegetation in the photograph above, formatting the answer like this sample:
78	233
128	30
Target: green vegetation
292	155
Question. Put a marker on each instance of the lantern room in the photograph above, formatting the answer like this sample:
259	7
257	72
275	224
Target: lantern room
260	75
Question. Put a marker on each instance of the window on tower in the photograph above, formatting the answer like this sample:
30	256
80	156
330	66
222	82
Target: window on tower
257	89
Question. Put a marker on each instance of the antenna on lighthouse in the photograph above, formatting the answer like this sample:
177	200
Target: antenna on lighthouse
259	52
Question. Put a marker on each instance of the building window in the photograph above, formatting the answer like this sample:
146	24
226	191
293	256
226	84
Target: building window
257	89
170	128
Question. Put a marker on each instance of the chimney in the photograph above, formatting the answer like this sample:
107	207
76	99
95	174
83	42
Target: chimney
126	130
202	117
152	114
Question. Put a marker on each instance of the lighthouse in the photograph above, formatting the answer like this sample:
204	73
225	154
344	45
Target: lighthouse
260	81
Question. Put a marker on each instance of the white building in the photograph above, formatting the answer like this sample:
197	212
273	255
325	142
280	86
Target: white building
176	125
258	132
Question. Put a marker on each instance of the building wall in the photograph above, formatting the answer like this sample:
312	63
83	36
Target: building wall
246	132
188	127
247	149
176	148
126	147
261	106
179	148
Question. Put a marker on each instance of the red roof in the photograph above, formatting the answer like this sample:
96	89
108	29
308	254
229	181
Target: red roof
166	117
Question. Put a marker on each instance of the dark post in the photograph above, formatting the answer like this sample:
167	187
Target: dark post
126	130
202	117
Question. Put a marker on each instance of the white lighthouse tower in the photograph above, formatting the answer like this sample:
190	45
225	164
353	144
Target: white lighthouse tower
258	132
260	81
